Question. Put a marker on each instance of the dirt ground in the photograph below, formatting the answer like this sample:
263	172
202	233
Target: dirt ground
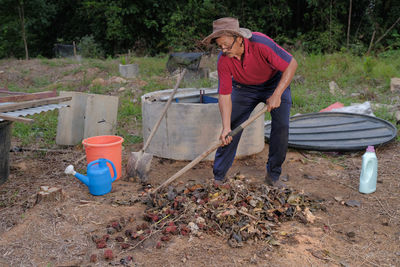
60	233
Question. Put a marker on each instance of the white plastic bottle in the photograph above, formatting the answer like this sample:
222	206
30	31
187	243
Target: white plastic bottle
369	171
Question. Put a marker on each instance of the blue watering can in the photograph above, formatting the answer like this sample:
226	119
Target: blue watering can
98	177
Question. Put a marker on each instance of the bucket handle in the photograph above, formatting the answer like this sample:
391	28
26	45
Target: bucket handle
112	165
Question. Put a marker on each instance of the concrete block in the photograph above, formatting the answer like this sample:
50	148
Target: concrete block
101	115
71	120
395	85
87	115
129	70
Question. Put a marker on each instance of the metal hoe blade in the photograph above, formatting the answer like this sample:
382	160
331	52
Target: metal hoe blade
139	165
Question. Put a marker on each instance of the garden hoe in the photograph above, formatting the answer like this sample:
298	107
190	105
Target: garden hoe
213	147
139	162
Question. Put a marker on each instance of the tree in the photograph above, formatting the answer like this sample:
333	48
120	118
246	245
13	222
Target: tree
21	14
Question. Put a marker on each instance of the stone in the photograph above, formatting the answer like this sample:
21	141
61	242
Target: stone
397	115
334	89
98	82
395	85
116	79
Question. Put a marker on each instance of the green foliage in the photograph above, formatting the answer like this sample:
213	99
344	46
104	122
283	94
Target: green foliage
368	65
150	27
89	48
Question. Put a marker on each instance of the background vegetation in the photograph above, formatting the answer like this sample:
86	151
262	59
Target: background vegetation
150	27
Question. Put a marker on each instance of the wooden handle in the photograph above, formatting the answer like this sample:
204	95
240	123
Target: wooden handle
14	118
213	147
153	131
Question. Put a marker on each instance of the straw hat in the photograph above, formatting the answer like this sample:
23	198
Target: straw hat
226	26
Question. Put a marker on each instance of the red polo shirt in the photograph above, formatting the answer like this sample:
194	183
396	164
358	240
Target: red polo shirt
262	59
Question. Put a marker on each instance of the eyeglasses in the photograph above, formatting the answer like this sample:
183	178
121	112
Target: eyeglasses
220	48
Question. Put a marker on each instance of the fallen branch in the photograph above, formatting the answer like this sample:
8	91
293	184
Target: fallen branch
21	149
249	215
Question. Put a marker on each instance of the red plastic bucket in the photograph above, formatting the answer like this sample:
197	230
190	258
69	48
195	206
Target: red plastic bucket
107	147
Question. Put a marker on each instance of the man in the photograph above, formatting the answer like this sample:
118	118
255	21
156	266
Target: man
252	68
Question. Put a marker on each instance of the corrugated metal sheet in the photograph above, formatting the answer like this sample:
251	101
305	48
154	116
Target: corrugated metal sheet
337	131
35	110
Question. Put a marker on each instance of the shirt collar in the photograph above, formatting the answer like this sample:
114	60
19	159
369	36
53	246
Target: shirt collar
246	48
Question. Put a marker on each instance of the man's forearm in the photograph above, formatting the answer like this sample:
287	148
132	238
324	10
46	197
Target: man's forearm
287	77
225	108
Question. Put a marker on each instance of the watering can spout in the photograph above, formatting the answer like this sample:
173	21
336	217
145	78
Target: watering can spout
84	179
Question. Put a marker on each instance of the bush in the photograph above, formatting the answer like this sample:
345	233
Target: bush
89	48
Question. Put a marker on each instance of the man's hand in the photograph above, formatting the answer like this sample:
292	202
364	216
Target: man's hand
225	140
225	107
274	101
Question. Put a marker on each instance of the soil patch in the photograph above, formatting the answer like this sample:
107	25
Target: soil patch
61	233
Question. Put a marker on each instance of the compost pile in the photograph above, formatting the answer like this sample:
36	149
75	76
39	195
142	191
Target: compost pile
238	211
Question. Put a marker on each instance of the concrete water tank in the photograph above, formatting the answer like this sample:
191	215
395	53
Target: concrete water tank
190	127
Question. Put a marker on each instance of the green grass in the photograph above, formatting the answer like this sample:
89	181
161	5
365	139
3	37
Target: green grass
151	66
41	81
41	133
368	76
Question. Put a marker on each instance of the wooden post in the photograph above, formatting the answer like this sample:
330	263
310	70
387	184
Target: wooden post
74	48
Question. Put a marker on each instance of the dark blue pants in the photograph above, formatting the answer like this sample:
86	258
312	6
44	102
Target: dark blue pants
244	99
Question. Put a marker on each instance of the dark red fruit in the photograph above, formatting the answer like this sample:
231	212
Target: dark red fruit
184	230
125	245
101	244
119	239
93	258
145	226
108	254
165	238
171	229
128	233
116	226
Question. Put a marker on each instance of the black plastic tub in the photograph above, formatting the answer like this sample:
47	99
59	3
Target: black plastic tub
5	143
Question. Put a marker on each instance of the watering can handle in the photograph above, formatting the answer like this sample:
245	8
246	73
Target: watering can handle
115	171
112	165
93	162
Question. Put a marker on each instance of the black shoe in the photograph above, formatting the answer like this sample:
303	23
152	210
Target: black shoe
273	183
